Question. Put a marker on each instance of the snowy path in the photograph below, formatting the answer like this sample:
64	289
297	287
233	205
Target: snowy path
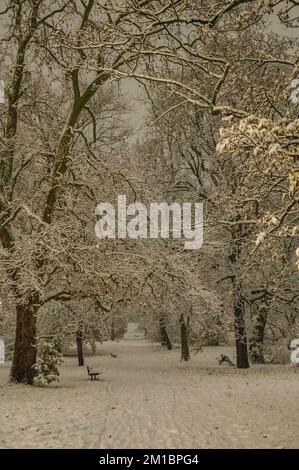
148	399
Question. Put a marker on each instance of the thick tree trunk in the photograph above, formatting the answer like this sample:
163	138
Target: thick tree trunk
238	301
240	329
256	343
79	339
185	350
165	339
25	350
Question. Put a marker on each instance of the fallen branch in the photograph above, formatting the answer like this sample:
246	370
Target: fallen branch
223	358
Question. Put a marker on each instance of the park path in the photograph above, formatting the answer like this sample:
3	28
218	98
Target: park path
148	399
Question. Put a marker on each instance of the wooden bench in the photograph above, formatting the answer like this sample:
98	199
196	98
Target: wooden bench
92	373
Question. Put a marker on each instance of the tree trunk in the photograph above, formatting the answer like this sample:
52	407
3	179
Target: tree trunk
240	328
25	350
79	338
256	344
185	351
112	334
238	300
93	347
165	339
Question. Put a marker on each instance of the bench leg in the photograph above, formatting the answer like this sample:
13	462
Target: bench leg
93	377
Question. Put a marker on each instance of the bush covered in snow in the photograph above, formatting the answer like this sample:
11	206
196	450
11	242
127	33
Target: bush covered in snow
47	364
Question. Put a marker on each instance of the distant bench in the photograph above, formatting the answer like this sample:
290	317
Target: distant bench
93	374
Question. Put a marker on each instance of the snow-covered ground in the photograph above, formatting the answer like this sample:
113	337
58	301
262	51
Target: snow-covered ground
147	399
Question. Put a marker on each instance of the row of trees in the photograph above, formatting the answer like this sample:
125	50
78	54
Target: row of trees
244	166
64	148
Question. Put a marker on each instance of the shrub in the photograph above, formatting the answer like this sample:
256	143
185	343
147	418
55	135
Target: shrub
47	364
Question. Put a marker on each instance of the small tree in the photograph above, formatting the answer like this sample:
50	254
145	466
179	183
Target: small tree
46	368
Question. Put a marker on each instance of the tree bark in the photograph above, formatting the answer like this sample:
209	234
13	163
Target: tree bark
93	347
112	333
165	339
185	350
238	299
240	328
79	339
256	343
25	350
